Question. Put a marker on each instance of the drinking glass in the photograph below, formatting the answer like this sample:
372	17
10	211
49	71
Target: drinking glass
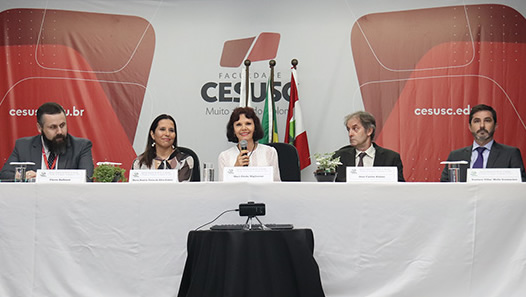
208	172
20	174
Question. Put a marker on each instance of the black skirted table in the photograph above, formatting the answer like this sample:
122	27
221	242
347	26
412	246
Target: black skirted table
240	263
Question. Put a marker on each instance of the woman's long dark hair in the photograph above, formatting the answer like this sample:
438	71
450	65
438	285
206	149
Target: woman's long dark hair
149	153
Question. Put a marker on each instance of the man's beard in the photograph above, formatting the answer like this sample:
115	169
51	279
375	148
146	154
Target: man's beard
489	135
57	145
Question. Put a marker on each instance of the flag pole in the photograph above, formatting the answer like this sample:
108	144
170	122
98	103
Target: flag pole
247	81
294	63
290	114
272	63
295	132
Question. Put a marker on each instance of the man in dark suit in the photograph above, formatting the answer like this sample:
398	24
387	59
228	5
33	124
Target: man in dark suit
485	152
54	148
361	127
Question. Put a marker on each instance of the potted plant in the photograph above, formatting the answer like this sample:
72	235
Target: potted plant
326	170
107	172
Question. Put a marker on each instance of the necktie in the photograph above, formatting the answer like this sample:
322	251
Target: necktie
361	155
479	163
50	161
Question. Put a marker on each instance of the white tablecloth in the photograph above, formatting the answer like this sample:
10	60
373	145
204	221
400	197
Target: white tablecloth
409	239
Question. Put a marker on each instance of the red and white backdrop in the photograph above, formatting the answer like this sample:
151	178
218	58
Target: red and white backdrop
418	66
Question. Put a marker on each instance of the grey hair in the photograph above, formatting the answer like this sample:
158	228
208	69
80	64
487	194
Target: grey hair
366	119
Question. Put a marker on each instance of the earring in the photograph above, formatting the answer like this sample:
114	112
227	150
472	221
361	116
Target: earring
173	146
153	144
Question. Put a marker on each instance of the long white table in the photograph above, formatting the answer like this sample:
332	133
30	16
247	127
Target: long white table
129	240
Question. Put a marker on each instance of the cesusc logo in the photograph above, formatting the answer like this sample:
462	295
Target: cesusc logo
228	85
256	48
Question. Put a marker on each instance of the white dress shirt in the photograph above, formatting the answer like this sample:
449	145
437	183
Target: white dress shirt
262	155
485	153
368	160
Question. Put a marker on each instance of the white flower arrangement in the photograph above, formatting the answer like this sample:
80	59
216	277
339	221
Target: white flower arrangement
326	163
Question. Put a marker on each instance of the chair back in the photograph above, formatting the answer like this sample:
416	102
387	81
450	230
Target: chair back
289	162
196	171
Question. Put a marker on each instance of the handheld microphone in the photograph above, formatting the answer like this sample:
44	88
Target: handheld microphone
244	146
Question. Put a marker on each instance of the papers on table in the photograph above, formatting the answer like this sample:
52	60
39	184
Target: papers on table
251	174
156	176
494	175
372	174
61	176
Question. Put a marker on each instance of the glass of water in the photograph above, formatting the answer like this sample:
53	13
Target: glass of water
208	172
20	174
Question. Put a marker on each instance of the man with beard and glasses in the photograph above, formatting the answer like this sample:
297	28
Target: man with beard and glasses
485	152
54	148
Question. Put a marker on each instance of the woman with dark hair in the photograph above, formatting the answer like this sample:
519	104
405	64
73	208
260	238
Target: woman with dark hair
244	124
161	149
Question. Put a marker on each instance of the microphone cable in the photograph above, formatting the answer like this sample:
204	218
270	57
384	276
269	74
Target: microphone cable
229	210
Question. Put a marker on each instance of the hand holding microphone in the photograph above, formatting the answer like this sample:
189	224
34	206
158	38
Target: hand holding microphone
243	158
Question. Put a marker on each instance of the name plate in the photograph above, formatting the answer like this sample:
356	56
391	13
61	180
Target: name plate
372	174
494	175
251	174
154	176
77	176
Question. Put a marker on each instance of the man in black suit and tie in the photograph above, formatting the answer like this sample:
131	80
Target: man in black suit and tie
361	127
485	152
54	148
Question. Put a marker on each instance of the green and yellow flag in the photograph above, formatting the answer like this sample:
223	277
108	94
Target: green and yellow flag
268	121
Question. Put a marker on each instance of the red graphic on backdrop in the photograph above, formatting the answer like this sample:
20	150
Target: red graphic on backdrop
95	65
236	51
420	80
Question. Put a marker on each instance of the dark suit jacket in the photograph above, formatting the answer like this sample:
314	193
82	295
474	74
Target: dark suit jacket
29	149
383	157
500	156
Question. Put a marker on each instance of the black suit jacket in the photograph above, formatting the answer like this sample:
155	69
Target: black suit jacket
29	149
500	156
383	157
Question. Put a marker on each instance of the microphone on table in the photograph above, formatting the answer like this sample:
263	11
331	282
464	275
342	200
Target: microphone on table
244	146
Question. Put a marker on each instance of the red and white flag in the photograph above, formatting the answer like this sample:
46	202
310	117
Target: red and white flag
295	133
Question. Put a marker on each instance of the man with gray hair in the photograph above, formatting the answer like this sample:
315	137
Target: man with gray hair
361	127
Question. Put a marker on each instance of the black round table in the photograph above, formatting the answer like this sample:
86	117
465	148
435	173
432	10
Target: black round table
241	263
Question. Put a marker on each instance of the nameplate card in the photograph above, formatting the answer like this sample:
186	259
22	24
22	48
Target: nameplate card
251	174
372	174
494	175
75	176
154	176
